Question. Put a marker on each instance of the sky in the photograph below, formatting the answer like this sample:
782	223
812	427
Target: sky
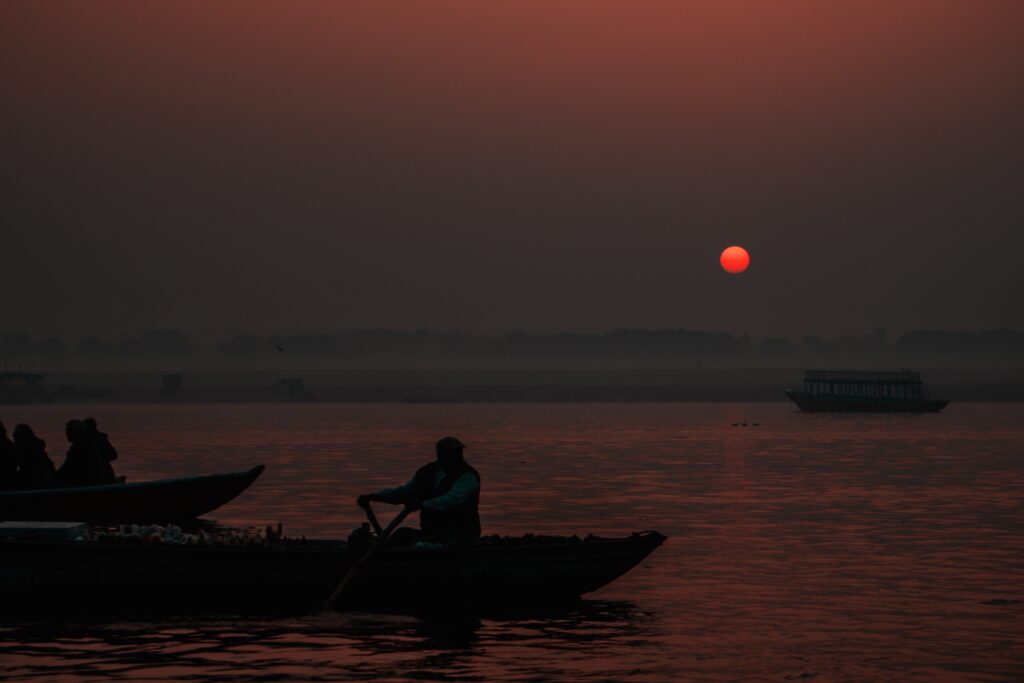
300	167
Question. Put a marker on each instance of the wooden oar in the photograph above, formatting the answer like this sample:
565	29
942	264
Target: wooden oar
353	572
373	520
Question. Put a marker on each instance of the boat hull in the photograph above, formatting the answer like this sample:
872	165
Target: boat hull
165	500
100	578
836	404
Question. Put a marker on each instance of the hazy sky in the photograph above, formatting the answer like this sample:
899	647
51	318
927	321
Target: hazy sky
487	166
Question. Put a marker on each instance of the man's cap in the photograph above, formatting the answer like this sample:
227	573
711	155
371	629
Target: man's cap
449	443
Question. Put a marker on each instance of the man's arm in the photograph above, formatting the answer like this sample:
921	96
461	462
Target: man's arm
396	495
464	487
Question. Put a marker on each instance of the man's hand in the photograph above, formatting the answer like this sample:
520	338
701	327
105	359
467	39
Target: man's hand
413	505
364	501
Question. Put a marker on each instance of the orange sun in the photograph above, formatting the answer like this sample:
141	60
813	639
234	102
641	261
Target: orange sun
734	260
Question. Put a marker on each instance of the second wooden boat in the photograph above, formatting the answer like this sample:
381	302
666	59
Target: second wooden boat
163	500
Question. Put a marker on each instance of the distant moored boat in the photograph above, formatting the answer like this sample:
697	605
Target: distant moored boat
869	391
22	387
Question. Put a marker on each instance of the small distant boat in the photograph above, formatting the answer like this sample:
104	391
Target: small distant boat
292	389
163	500
172	383
20	379
872	391
22	387
95	578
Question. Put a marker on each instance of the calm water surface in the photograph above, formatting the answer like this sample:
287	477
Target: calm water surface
810	547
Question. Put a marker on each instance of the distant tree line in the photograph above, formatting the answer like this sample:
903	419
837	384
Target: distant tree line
625	344
153	343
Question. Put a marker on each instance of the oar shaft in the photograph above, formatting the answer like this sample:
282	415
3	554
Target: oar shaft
372	516
353	571
399	518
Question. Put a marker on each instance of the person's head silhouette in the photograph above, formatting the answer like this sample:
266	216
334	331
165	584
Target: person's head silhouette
449	451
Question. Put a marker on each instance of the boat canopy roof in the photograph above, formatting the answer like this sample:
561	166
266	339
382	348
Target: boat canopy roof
901	375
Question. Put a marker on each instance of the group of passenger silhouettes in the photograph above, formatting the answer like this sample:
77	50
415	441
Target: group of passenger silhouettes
25	465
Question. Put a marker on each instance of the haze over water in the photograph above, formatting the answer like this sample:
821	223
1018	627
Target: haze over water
853	547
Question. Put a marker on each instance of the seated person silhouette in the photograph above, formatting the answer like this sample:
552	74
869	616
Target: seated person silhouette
101	442
83	465
8	464
35	469
447	494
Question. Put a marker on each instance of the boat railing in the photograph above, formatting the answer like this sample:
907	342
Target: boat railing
903	384
902	375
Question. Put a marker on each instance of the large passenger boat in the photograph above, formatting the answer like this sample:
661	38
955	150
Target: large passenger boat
865	391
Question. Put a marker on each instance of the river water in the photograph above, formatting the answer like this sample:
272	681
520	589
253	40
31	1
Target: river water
844	547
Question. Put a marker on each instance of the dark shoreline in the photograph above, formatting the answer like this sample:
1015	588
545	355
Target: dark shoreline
436	394
678	385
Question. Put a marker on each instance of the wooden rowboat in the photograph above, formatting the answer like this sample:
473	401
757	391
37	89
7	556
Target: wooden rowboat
88	577
163	500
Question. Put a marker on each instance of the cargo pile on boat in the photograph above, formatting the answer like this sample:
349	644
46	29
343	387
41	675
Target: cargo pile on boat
171	534
531	539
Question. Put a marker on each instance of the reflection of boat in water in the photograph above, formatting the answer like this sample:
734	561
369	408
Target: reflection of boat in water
148	501
292	577
865	391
